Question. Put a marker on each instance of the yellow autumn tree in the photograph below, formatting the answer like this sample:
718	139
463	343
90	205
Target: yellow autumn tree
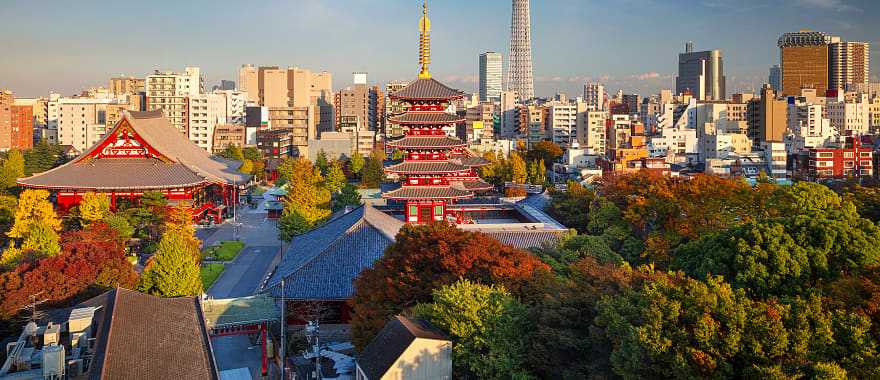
33	209
518	172
308	200
94	207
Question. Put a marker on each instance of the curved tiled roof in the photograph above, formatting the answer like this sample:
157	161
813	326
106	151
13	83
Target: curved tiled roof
323	263
476	185
428	89
416	167
427	142
427	192
426	118
471	161
182	163
116	173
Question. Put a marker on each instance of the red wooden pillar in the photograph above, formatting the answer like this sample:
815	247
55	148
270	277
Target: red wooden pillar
264	370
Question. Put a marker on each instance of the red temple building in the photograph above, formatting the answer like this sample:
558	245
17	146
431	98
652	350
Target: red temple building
437	169
143	152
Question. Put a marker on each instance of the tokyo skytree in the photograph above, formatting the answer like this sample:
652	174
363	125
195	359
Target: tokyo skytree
519	76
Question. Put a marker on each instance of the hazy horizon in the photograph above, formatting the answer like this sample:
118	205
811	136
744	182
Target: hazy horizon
632	45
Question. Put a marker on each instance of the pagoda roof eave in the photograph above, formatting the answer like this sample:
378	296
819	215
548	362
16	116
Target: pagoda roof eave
427	193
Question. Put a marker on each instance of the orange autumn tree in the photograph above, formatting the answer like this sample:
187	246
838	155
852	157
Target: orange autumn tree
425	258
666	212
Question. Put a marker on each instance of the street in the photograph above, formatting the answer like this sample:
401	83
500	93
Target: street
241	278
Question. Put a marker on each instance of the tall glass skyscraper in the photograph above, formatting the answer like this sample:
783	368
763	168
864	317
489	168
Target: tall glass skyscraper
519	76
491	72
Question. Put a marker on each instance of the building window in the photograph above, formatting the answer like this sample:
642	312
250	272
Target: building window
847	154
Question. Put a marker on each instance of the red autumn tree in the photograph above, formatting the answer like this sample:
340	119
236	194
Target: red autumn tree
424	258
90	257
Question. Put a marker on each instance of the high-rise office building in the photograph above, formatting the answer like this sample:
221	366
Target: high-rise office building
701	73
849	64
491	73
126	86
519	75
775	77
804	60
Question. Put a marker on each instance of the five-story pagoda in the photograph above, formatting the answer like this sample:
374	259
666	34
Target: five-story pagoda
437	168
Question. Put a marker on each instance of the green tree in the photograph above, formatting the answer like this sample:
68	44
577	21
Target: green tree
42	240
518	171
397	155
356	163
233	152
42	157
252	153
349	196
121	225
94	207
11	169
373	173
321	162
335	177
174	270
485	324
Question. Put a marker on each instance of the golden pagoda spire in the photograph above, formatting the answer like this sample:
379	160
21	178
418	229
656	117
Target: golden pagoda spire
425	42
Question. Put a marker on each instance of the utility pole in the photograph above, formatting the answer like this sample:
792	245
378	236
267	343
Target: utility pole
283	329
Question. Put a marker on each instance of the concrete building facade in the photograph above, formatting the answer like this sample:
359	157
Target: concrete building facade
491	74
702	74
169	92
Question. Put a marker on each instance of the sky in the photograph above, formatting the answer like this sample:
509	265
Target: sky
632	45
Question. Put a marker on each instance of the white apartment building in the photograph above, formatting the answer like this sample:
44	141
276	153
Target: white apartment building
849	114
508	115
82	122
673	142
207	111
807	128
722	144
169	92
563	123
594	96
591	132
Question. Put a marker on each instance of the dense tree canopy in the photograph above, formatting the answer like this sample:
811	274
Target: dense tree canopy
486	325
424	258
174	270
90	257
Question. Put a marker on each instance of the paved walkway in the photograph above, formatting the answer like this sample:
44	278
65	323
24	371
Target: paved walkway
242	277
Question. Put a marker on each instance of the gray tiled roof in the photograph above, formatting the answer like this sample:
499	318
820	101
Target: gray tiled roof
476	185
116	173
417	167
427	192
427	142
179	155
427	89
391	342
140	336
426	118
323	263
471	161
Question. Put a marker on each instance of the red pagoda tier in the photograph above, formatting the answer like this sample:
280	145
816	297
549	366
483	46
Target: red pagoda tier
437	168
143	152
